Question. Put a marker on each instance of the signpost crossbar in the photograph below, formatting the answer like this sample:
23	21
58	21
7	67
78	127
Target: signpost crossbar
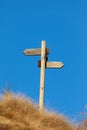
33	52
55	65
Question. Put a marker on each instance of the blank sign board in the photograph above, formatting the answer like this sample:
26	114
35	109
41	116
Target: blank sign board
31	52
52	64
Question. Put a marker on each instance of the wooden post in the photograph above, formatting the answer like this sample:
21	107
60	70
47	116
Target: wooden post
42	78
43	64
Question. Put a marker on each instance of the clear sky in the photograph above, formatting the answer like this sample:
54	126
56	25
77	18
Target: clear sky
63	24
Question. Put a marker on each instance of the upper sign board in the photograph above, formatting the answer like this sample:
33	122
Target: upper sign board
31	52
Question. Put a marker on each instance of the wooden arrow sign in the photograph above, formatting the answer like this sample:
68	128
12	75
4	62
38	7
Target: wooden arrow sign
30	52
52	64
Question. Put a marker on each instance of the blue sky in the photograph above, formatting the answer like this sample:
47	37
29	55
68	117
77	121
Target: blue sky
63	24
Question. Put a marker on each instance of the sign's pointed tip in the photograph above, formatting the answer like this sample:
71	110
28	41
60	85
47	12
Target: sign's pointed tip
61	64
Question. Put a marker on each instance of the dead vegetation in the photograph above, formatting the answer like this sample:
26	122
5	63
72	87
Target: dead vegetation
19	113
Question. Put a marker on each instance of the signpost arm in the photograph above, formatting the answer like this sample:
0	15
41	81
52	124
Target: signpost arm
42	76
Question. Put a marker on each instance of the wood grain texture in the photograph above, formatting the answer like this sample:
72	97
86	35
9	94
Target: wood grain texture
30	52
52	64
42	76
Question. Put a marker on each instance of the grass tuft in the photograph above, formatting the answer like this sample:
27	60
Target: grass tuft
19	113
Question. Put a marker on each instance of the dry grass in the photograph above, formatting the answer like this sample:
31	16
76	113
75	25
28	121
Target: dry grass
19	113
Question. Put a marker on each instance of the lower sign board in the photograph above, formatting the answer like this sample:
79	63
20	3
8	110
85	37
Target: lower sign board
30	52
52	64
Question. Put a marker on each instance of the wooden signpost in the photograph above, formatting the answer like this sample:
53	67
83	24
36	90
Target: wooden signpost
43	64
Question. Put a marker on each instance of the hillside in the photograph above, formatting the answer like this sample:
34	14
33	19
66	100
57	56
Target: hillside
19	113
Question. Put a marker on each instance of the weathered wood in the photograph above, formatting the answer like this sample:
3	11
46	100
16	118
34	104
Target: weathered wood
30	52
42	76
43	64
52	64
